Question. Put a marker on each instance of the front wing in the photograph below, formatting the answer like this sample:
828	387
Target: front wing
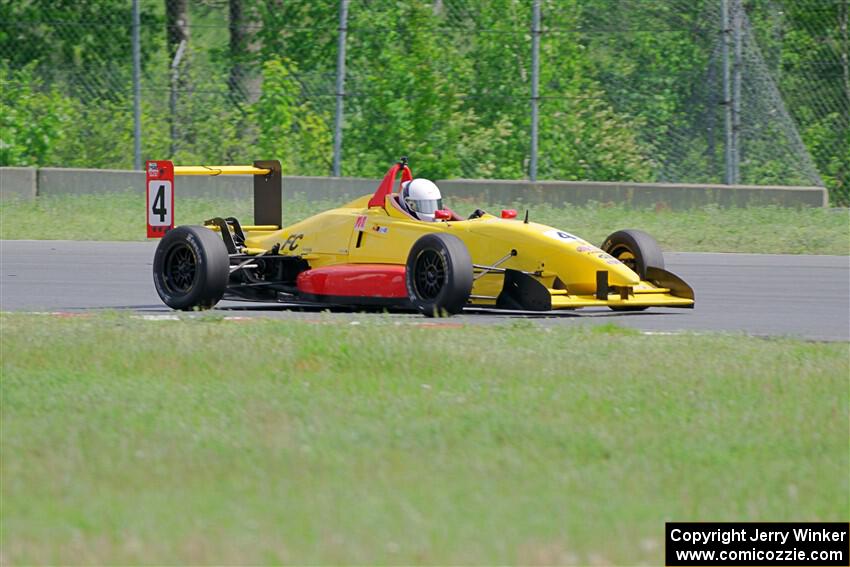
522	291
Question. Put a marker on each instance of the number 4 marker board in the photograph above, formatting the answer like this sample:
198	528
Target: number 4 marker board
160	197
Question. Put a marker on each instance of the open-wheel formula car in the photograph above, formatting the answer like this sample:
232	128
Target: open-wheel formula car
371	252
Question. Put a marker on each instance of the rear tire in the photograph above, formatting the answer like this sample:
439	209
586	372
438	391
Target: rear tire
439	275
637	250
191	268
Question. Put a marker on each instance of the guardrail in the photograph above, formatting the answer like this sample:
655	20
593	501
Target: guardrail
28	183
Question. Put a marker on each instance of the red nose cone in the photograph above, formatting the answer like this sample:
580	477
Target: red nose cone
508	213
442	214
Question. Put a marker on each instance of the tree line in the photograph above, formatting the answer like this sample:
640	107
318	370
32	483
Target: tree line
630	89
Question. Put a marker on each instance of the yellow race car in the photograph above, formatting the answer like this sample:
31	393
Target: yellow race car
372	252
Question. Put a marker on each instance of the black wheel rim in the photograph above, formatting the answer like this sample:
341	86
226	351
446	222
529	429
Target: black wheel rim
626	256
181	268
430	274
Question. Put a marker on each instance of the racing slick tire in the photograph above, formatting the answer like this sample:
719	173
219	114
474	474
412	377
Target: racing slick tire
439	275
191	268
637	250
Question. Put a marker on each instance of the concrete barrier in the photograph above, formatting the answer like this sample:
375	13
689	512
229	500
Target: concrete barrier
339	189
637	195
18	183
28	182
66	181
63	181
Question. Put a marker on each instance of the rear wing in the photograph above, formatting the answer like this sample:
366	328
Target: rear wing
159	187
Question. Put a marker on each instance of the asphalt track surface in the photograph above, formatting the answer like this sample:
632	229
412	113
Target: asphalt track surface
765	295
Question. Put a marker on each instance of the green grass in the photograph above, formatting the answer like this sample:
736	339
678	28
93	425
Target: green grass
711	229
206	440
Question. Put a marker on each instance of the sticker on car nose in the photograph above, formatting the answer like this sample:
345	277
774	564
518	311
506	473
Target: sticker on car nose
560	235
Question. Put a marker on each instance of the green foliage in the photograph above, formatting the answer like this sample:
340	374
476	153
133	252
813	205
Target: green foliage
63	37
410	105
629	90
809	53
210	130
35	120
40	125
588	139
496	88
289	128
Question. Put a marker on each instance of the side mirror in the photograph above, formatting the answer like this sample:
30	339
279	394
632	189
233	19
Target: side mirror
508	213
442	214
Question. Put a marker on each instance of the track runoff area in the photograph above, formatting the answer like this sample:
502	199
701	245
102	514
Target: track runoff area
767	295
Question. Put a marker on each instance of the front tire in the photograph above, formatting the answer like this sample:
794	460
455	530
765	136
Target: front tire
637	250
191	268
439	275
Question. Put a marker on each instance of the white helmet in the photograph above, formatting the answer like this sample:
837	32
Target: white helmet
421	198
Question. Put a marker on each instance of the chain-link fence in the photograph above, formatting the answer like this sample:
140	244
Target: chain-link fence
699	91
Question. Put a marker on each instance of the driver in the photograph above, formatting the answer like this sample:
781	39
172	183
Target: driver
421	198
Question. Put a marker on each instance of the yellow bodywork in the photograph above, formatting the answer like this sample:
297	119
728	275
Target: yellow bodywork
565	264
